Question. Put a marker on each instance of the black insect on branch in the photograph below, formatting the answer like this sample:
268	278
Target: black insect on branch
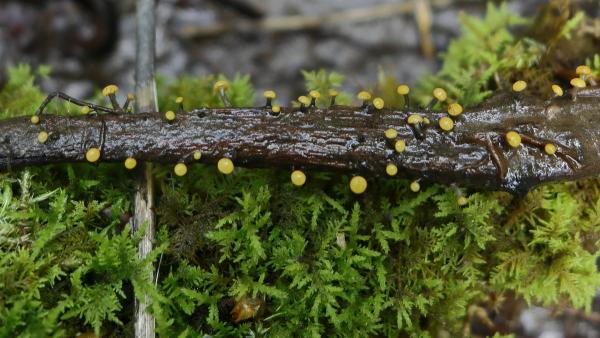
513	141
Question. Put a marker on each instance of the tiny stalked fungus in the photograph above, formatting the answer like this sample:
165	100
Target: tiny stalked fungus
440	94
298	178
400	146
130	163
170	115
225	166
519	86
378	103
391	169
197	155
276	109
358	184
455	109
578	83
42	137
557	90
403	89
180	169
415	186
92	155
391	133
446	123
462	201
414	119
550	148
110	90
35	119
513	139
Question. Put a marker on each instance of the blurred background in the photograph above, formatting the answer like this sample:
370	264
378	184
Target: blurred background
90	43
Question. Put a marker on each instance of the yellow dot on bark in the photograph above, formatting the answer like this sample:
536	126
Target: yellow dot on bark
109	90
276	109
298	178
513	139
583	70
85	110
92	155
550	148
170	115
391	133
35	119
391	169
42	137
270	94
197	155
180	169
519	86
557	90
578	83
400	146
358	184
446	123
415	186
179	99
364	95
378	103
462	200
440	94
414	119
455	109
403	89
225	166
130	163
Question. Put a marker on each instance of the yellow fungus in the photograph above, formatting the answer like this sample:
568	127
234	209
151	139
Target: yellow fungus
578	83
519	86
462	200
314	94
440	94
391	169
85	110
304	100
333	92
269	94
391	133
110	90
131	97
225	166
446	123
400	146
298	178
170	115
276	109
513	139
378	103
415	186
414	119
358	184
403	89
455	109
557	90
130	163
180	169
197	155
364	95
221	85
550	148
583	70
35	119
92	155
426	120
179	99
42	137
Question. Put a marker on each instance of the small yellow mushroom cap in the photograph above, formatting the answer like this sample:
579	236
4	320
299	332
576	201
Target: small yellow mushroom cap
426	120
42	137
391	169
304	100
197	155
440	94
403	89
364	95
583	70
557	90
110	90
391	133
170	115
269	94
130	163
179	99
513	139
92	155
462	200
180	169
221	84
358	184
378	103
519	86
400	146
446	123
333	92
35	119
314	94
414	119
455	109
298	178
225	166
415	186
578	83
276	109
550	148
130	97
85	110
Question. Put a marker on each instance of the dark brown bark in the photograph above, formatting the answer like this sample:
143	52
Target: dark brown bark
347	139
